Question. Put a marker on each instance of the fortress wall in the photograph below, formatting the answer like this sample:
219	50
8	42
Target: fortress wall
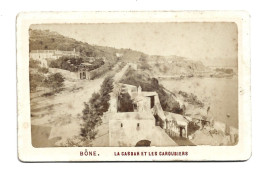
130	134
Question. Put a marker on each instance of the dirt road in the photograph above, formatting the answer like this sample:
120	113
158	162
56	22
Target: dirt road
62	112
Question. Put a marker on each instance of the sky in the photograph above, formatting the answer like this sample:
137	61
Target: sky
209	42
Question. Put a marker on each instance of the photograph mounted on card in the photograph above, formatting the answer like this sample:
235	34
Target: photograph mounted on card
133	86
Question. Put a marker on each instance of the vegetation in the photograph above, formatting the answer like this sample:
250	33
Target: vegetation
143	63
191	98
39	77
47	40
34	63
225	70
72	63
54	81
98	104
126	104
66	63
36	80
91	118
102	70
43	70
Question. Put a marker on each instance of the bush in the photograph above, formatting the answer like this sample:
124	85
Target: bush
102	70
225	70
54	81
143	63
66	63
34	63
43	70
35	81
191	98
72	63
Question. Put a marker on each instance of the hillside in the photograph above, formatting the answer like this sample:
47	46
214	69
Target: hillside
158	65
48	40
174	65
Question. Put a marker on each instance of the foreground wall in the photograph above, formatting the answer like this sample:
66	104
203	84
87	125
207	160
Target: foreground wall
129	134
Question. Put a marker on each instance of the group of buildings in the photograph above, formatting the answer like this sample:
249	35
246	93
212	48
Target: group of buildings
43	55
146	124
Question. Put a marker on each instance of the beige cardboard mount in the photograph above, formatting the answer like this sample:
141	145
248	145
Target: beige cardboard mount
239	152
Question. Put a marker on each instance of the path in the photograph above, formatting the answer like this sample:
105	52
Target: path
61	113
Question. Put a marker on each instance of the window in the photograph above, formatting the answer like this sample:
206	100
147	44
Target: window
138	126
152	101
121	124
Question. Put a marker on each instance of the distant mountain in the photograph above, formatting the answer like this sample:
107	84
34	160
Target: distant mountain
175	65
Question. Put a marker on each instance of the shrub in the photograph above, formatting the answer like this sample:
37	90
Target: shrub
54	81
225	70
34	63
102	70
143	63
43	70
66	63
35	81
191	98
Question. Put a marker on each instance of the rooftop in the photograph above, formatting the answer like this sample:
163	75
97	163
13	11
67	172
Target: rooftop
139	96
180	119
85	63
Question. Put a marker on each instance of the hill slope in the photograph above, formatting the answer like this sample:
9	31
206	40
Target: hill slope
48	40
174	65
159	65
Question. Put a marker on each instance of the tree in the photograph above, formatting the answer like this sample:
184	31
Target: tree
98	104
106	88
126	104
91	120
143	63
55	81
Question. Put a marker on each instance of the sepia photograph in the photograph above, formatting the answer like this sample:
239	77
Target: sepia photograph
134	84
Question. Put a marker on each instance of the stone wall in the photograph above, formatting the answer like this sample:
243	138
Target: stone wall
129	134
